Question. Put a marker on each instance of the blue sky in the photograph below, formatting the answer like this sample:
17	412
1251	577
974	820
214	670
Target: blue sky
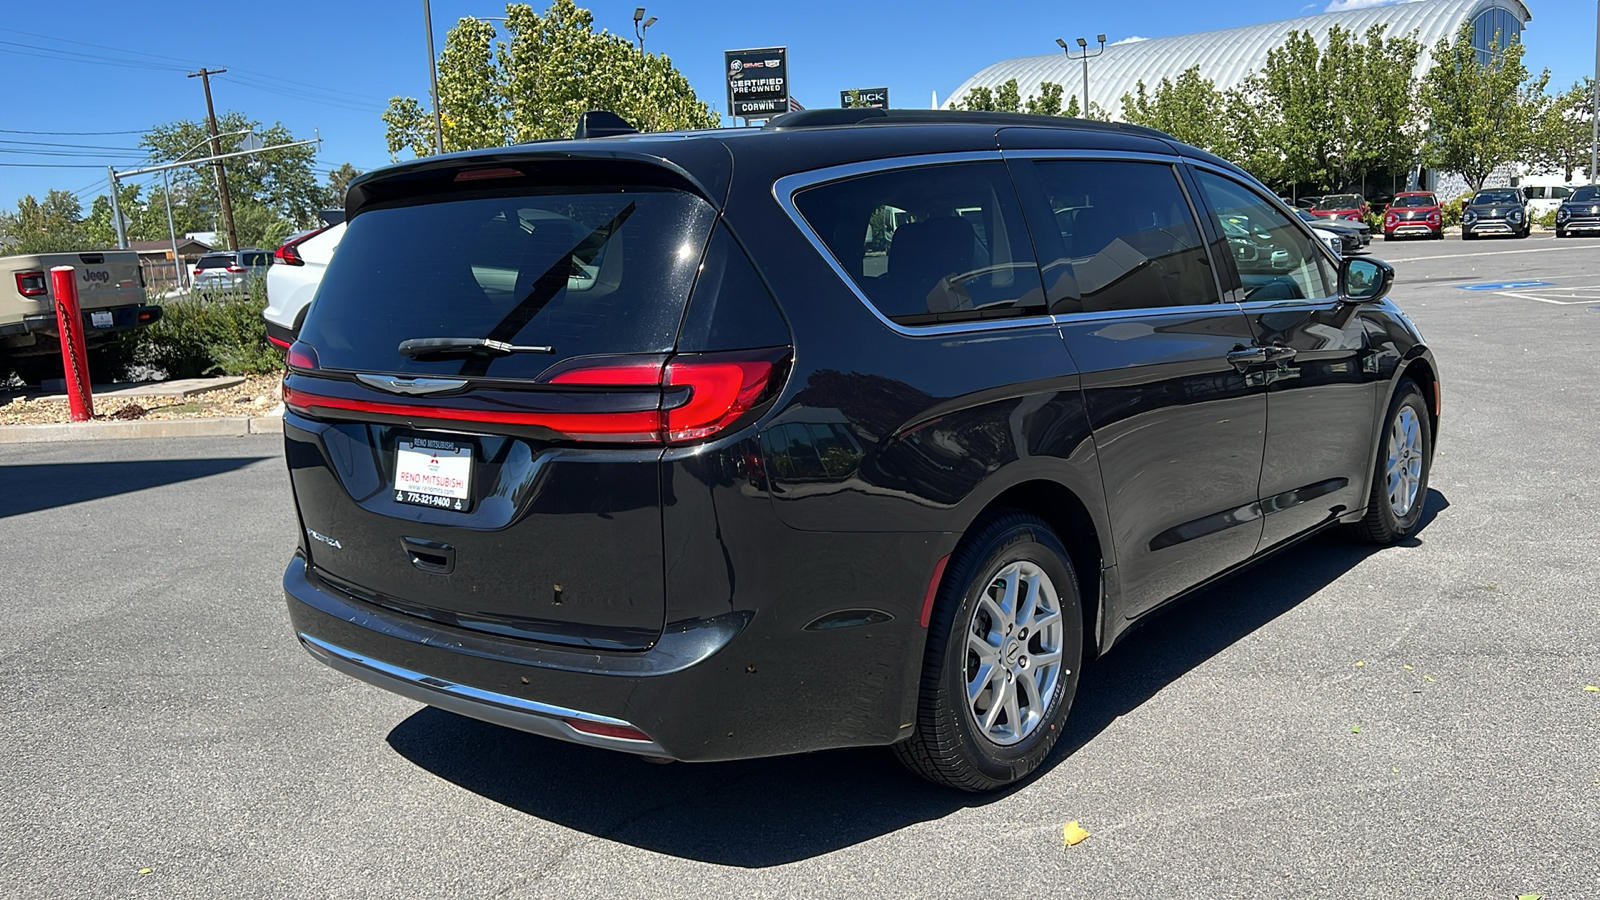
331	67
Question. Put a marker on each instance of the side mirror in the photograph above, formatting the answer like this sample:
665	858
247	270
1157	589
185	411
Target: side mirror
1363	280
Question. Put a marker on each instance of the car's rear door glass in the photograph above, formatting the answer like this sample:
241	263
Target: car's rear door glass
1118	235
930	244
584	271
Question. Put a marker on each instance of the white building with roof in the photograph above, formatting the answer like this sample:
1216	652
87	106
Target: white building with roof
1227	57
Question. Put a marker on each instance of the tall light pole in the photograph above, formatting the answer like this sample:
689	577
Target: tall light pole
641	25
433	80
1085	55
1594	119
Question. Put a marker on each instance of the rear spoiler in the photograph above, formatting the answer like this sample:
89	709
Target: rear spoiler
594	160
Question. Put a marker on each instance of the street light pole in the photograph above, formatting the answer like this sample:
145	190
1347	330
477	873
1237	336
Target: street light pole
1085	55
172	231
433	80
1594	118
639	28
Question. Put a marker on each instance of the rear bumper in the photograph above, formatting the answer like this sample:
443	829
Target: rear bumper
710	689
123	318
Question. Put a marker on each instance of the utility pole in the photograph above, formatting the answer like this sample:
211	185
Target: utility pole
116	210
1594	119
216	150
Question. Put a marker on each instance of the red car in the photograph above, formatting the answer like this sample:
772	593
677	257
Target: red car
1414	213
1342	207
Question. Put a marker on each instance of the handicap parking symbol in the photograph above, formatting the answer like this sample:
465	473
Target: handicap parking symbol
1502	285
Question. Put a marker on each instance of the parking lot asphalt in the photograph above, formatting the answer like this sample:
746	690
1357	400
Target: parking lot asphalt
1336	722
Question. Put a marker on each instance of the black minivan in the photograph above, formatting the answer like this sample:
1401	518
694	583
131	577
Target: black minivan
863	427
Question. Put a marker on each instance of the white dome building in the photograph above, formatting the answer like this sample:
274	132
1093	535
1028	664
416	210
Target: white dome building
1227	57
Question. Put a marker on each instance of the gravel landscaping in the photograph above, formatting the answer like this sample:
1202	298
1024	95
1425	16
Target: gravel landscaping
258	395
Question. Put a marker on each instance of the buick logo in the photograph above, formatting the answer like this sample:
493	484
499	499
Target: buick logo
735	66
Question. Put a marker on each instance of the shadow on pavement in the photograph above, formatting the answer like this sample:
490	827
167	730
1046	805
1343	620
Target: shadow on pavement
768	812
49	485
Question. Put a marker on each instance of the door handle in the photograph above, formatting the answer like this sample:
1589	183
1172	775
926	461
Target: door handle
1280	354
1245	357
435	557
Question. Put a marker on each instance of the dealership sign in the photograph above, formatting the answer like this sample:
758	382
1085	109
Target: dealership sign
758	82
875	98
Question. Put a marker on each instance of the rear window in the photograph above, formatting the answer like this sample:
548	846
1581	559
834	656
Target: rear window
583	271
215	261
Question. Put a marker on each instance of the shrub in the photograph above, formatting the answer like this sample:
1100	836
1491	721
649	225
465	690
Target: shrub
1548	219
197	337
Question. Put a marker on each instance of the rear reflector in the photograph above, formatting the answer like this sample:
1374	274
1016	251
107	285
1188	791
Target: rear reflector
278	342
933	589
620	732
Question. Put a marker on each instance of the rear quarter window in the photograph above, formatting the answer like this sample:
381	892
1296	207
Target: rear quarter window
930	244
585	271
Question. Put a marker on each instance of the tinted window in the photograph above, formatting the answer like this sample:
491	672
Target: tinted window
930	244
1121	235
1498	196
1586	194
1560	193
731	308
215	261
1414	200
1274	257
255	260
1340	201
606	270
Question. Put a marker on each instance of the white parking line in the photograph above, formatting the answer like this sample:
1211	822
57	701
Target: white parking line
1546	300
1591	249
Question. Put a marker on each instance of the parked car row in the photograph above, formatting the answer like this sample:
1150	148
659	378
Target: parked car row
1579	212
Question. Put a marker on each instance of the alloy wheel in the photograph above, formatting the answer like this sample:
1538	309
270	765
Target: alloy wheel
1014	653
1404	468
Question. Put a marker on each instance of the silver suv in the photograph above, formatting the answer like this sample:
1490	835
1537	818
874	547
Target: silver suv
230	271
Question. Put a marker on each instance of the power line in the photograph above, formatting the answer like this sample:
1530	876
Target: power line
68	133
72	146
55	55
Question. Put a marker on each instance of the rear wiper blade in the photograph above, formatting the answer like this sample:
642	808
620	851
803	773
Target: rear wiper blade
435	348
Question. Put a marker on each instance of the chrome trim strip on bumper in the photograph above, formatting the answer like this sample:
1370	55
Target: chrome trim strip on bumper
545	719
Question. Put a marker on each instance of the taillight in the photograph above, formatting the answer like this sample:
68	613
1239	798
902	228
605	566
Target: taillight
695	397
301	356
289	253
236	268
719	393
32	284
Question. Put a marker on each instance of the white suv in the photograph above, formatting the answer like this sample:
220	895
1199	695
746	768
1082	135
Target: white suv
292	281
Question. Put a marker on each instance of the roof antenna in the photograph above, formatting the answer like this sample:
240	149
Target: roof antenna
597	123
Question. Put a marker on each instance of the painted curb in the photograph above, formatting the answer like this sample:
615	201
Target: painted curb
234	426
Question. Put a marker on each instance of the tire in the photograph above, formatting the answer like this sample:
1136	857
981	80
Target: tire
1561	233
950	744
1468	236
1394	505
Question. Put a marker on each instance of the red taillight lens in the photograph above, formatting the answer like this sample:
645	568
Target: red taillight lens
719	393
236	268
32	284
301	356
618	374
287	255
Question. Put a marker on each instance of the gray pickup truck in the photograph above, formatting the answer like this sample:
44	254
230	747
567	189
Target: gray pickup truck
110	293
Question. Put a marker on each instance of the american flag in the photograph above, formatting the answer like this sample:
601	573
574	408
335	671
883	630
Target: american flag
794	105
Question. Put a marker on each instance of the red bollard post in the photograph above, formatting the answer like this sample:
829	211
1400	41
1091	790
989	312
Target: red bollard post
74	355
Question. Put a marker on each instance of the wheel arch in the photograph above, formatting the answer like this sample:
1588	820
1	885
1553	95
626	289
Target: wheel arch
1079	530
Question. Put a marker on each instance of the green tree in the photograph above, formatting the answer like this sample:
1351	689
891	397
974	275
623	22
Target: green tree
49	226
1481	113
339	184
1341	110
1563	132
282	182
1186	109
553	68
1047	102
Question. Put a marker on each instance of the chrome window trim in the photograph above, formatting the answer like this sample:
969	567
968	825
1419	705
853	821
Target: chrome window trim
1145	312
784	189
1085	153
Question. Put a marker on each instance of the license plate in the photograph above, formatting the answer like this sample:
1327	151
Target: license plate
433	473
100	319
